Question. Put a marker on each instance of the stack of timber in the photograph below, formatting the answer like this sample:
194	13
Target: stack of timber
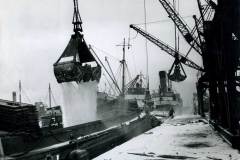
16	117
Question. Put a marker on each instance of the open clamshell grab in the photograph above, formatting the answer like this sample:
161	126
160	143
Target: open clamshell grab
77	62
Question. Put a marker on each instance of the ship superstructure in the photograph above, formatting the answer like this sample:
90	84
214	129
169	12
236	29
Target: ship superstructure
135	94
166	98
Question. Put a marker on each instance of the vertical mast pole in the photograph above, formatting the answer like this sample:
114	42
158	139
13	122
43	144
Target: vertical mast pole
178	32
20	93
175	29
49	95
123	72
146	44
123	62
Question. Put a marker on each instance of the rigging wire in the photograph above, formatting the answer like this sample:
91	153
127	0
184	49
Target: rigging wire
134	64
119	71
110	85
146	43
178	46
105	52
160	21
129	75
99	61
26	96
46	98
129	39
129	35
54	100
111	71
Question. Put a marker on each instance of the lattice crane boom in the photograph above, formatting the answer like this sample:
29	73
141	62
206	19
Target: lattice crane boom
181	25
206	13
168	49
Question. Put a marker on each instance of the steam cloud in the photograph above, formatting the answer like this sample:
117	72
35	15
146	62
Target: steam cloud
80	102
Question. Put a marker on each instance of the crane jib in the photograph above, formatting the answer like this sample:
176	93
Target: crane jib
181	25
168	49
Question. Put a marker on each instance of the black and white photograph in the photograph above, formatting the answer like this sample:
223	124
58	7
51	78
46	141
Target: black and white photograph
120	80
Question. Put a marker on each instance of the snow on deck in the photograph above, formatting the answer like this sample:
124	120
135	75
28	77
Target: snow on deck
184	137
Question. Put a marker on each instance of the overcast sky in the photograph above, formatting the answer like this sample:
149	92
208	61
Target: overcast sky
33	34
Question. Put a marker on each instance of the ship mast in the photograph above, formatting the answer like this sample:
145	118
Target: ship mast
147	91
123	62
123	71
146	44
49	95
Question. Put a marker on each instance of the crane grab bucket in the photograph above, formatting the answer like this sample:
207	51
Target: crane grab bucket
77	62
177	76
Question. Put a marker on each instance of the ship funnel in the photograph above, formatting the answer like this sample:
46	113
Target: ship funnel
163	81
14	96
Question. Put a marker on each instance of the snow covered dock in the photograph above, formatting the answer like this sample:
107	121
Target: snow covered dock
184	137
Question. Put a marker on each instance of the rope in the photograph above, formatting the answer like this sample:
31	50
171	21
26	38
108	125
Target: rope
105	52
26	96
111	85
135	67
129	38
129	35
160	21
46	98
54	100
118	72
129	75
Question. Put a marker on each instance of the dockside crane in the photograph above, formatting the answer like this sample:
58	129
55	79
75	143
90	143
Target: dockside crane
133	82
181	59
206	10
196	41
182	26
206	13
